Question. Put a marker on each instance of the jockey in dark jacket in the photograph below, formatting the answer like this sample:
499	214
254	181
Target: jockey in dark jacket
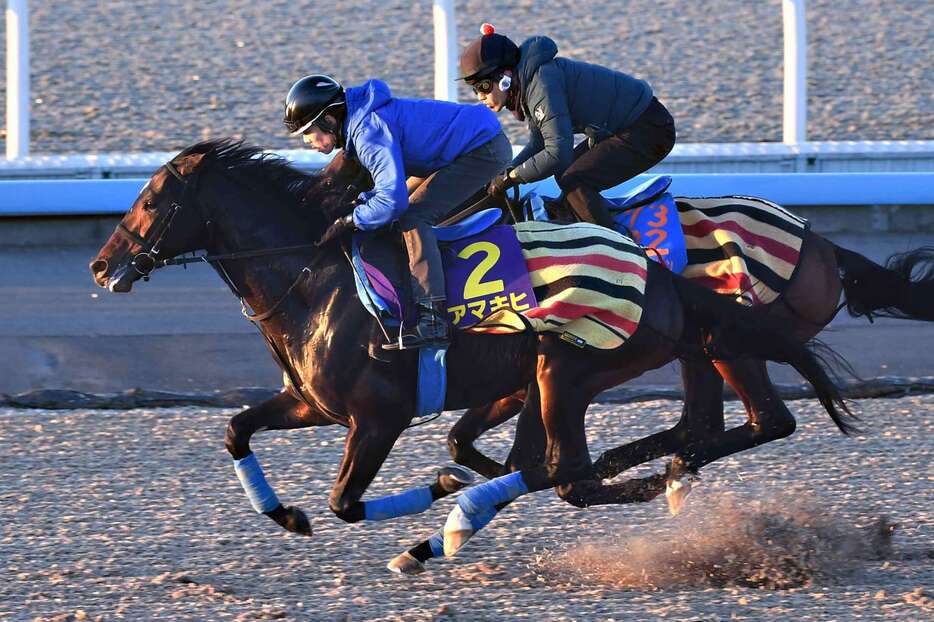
446	150
628	130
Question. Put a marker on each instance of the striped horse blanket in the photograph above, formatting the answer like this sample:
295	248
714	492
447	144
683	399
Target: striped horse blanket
742	246
589	283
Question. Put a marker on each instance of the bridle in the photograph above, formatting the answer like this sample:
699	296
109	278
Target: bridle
144	262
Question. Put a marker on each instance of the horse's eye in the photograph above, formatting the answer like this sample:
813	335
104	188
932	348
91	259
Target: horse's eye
148	206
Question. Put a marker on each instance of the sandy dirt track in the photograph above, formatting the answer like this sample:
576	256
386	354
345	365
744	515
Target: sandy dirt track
138	515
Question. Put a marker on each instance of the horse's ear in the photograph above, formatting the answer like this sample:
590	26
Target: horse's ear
189	163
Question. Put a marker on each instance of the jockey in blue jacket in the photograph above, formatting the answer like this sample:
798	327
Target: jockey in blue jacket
446	150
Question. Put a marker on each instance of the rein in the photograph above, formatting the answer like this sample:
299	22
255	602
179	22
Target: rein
279	250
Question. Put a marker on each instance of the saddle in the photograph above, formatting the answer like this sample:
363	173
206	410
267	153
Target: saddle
647	214
382	279
745	247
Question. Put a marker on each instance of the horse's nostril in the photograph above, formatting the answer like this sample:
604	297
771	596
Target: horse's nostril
98	266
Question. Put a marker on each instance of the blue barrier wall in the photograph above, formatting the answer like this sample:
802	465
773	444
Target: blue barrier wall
50	197
791	188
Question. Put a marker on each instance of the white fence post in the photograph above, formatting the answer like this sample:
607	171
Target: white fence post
794	128
17	79
445	50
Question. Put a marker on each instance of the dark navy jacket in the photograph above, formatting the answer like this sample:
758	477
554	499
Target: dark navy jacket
561	97
394	138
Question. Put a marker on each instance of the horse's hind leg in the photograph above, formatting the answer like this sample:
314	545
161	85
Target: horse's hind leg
768	420
701	416
283	412
474	423
567	380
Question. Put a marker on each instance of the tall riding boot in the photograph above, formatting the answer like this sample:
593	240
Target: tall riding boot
431	330
588	205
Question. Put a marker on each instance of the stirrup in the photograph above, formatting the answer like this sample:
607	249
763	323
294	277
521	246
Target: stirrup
432	312
415	343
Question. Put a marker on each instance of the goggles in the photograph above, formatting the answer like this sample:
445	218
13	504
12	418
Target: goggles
482	87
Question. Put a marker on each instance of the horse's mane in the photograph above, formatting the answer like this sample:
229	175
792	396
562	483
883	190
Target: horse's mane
253	161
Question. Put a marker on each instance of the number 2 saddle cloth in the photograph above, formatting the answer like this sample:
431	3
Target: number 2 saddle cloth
583	282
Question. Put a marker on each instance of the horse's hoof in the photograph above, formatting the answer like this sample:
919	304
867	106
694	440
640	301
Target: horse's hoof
457	531
295	521
677	491
453	478
406	564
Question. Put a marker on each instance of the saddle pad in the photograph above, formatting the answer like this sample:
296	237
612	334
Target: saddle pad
581	281
588	282
656	227
483	274
743	246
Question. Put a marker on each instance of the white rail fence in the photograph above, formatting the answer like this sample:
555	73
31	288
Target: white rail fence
17	79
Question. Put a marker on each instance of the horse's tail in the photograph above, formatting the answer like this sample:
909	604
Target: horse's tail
904	288
735	331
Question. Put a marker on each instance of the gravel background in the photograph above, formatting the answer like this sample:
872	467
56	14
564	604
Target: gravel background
138	515
125	75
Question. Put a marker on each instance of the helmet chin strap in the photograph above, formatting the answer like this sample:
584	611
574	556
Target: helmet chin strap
337	129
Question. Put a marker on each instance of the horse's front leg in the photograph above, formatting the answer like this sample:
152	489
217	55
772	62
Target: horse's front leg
283	412
365	450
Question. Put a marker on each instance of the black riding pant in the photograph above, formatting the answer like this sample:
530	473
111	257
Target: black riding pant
431	199
615	159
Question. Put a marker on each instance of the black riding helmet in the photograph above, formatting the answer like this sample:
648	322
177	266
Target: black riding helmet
307	101
487	55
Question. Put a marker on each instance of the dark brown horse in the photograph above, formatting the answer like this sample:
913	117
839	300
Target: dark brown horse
240	207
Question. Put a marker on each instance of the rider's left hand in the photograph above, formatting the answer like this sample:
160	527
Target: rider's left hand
341	226
500	184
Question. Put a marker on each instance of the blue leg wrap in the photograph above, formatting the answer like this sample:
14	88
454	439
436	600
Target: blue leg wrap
261	495
479	503
482	518
409	502
436	542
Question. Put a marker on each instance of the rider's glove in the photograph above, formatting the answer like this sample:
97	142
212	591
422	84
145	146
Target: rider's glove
340	227
500	184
